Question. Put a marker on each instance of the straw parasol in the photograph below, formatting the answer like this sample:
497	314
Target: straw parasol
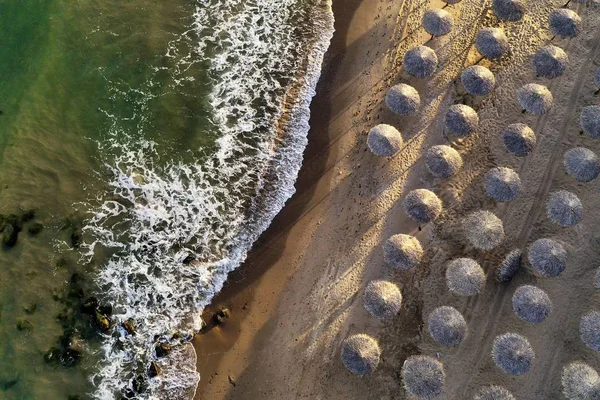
547	257
447	326
590	330
438	22
483	230
550	61
402	251
580	382
420	61
589	120
403	99
492	43
565	23
493	393
512	353
509	10
382	299
465	277
384	140
510	266
422	205
443	161
582	164
360	354
461	120
564	208
519	139
478	80
502	184
535	99
531	304
423	376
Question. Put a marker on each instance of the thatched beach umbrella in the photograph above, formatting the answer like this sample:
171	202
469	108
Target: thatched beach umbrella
420	61
402	251
438	22
493	393
384	140
510	266
423	377
531	304
465	277
360	354
565	23
483	229
564	208
589	120
590	330
580	382
478	80
550	61
422	205
512	353
519	139
492	43
443	161
547	257
447	326
535	99
461	120
509	10
403	99
382	299
502	184
582	164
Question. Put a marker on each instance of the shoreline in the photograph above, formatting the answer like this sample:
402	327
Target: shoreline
246	292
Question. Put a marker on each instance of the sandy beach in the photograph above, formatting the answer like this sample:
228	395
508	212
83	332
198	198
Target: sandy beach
299	294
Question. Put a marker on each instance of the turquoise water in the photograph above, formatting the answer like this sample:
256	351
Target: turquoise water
154	140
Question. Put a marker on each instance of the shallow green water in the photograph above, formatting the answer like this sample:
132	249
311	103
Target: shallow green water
64	66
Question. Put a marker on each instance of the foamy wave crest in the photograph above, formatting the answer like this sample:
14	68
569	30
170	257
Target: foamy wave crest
177	229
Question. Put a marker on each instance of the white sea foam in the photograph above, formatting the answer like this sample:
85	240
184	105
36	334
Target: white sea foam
160	215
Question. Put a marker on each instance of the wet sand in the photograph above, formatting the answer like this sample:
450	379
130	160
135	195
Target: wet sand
299	293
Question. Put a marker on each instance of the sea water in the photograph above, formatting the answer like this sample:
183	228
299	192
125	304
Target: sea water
155	141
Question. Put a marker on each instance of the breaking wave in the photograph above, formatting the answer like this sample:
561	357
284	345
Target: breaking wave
175	229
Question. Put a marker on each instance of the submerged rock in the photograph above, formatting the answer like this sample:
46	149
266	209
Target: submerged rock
28	215
30	309
11	234
24	325
35	228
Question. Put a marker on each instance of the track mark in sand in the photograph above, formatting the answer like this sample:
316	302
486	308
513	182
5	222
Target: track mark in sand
542	192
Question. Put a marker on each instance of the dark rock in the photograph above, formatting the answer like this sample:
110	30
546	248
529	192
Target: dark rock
69	358
35	228
90	306
61	262
222	315
24	325
154	369
73	397
10	235
102	321
6	384
129	326
15	221
162	349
